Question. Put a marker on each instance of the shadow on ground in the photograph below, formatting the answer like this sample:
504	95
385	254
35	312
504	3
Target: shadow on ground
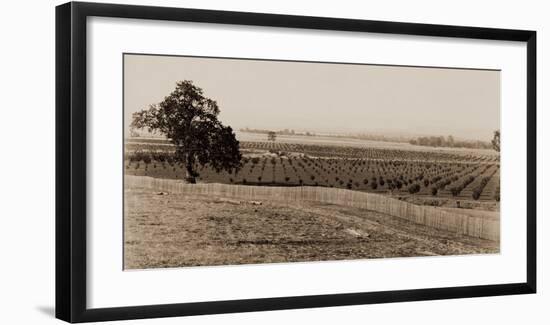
46	310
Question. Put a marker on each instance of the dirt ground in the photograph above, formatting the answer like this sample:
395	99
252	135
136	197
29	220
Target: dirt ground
174	230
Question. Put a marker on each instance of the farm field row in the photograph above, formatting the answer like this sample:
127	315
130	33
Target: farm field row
461	175
343	141
460	180
326	151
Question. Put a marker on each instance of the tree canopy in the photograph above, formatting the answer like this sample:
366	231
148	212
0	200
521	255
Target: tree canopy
190	121
496	141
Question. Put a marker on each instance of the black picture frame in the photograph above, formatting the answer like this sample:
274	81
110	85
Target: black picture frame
71	161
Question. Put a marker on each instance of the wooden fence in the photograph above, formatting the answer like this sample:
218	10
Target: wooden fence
425	215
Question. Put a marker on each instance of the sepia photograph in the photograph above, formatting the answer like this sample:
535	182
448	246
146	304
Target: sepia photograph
231	161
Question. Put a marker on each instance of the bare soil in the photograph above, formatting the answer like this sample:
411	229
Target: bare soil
175	230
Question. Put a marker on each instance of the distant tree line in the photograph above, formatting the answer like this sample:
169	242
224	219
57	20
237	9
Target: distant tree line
372	137
449	141
359	136
430	141
280	132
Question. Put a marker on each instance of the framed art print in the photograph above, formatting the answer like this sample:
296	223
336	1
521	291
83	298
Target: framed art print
216	162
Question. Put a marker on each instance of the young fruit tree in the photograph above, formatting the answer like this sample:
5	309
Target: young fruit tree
190	121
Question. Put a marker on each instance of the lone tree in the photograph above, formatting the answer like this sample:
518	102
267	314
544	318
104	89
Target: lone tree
271	136
190	121
496	141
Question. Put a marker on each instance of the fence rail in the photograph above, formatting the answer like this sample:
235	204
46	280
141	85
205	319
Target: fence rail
425	215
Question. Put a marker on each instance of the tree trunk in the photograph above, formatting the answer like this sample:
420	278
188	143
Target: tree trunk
190	175
189	178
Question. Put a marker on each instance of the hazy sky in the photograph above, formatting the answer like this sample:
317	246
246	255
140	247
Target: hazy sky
326	97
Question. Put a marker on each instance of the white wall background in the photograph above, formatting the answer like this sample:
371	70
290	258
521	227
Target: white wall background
27	147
